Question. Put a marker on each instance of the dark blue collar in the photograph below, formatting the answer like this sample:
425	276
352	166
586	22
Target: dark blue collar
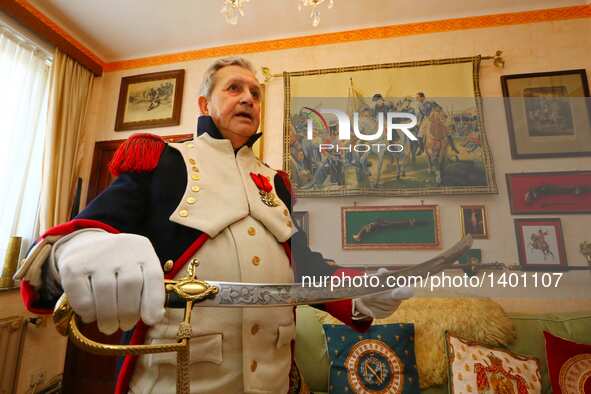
205	124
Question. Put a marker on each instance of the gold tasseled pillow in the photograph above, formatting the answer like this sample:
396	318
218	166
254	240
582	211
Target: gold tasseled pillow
475	319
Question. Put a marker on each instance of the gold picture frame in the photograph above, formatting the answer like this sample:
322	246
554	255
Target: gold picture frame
378	227
473	221
150	100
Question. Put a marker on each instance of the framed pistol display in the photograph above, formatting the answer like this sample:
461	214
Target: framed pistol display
391	227
550	192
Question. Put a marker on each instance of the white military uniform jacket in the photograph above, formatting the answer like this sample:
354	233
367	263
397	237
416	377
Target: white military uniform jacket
233	350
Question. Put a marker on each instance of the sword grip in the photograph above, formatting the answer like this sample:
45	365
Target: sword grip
173	300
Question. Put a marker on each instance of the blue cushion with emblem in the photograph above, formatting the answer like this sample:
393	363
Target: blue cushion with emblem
380	360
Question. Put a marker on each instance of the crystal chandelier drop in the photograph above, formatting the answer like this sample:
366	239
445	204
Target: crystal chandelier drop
232	9
315	14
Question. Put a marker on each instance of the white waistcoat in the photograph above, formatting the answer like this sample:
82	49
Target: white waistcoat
233	350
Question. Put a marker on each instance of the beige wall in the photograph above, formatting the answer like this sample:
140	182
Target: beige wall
44	350
527	48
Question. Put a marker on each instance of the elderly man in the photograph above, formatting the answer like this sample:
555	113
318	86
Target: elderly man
209	199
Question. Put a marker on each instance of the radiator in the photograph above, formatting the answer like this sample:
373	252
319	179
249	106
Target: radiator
12	331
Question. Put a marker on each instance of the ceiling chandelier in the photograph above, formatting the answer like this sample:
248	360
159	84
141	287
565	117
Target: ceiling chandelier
315	14
232	9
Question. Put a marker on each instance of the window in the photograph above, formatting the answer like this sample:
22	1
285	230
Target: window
24	86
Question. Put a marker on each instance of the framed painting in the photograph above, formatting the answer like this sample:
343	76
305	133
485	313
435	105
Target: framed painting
301	219
561	192
391	227
150	100
473	221
548	114
444	152
540	244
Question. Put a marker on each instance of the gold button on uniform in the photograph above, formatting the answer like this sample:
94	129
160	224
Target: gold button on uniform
191	161
191	200
183	213
168	265
195	188
190	146
289	224
195	177
195	169
253	365
256	260
285	212
251	231
254	329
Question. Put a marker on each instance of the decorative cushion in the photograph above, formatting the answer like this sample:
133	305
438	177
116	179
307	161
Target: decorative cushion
476	319
475	368
569	365
381	360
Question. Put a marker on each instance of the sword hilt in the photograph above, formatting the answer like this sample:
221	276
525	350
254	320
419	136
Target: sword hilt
179	294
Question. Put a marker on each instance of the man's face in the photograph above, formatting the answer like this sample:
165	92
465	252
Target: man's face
235	102
420	98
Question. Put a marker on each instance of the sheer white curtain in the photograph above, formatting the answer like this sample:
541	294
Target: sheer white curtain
24	82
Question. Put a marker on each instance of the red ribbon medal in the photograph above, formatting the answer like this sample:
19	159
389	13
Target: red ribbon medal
265	189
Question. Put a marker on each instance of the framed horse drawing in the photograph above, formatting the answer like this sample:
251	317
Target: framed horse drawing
403	129
540	244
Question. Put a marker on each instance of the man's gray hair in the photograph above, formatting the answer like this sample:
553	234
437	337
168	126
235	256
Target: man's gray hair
208	82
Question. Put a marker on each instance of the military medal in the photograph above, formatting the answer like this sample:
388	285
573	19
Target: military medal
265	189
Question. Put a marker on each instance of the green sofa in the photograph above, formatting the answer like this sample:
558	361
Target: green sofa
312	358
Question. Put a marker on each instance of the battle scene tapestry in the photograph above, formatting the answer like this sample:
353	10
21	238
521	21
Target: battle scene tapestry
449	153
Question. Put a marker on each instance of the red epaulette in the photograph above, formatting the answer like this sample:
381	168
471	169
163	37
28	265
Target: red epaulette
285	178
139	153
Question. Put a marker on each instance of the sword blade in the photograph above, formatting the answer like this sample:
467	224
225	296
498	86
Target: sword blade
238	294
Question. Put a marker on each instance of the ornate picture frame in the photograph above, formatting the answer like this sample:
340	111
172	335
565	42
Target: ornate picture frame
548	114
552	192
390	227
540	244
473	221
150	100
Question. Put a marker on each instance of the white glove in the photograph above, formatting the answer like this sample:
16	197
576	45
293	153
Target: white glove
112	278
381	305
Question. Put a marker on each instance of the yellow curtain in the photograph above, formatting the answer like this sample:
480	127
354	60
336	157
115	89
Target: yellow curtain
69	95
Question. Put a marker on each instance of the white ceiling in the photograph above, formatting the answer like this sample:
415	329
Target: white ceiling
128	29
